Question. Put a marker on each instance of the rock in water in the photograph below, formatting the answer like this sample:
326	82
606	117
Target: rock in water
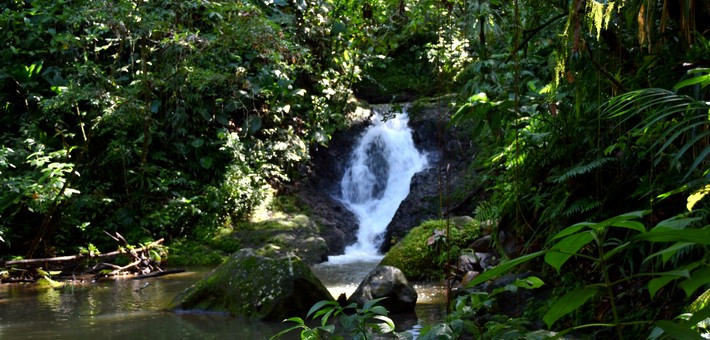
386	281
255	286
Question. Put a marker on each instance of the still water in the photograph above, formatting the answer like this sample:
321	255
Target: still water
133	309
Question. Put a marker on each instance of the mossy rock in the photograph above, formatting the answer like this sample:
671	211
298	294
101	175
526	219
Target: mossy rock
285	224
255	286
421	262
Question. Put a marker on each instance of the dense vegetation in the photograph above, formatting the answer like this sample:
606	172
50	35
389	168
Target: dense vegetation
175	118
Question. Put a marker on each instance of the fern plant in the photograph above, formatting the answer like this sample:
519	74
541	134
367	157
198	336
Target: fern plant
677	126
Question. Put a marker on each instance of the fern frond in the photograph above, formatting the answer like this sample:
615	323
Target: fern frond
581	169
582	206
486	211
690	122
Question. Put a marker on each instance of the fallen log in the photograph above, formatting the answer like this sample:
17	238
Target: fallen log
70	258
156	274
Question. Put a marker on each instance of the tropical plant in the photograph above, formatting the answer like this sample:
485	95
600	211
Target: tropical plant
572	242
354	322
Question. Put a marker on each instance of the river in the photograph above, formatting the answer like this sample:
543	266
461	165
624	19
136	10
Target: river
134	309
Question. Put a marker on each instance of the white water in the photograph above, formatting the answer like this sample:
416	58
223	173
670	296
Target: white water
376	181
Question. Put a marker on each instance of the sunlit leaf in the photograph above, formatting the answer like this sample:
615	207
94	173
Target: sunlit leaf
696	196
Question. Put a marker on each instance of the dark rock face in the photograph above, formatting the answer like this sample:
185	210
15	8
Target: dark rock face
386	281
322	186
256	286
423	201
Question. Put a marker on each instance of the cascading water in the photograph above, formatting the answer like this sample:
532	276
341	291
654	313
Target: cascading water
376	181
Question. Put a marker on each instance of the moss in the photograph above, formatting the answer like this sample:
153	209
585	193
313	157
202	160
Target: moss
282	225
191	253
255	286
421	262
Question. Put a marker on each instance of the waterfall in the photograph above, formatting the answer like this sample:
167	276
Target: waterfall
376	181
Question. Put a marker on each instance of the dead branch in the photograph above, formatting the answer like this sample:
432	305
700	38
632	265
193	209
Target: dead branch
69	258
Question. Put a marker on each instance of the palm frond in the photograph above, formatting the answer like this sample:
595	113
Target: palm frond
672	119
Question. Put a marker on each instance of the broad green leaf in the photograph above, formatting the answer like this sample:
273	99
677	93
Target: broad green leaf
572	229
703	80
697	279
326	316
318	305
563	250
294	319
530	282
678	331
438	331
379	310
503	267
623	217
656	284
616	250
674	223
698	236
668	252
388	322
633	225
568	303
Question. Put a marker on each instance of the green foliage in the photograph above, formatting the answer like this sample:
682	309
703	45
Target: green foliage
572	242
161	119
354	322
463	320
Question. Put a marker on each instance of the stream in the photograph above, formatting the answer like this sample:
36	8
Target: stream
134	309
374	184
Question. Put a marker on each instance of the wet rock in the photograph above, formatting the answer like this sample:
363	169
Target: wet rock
487	260
461	220
468	263
386	281
468	277
509	244
321	187
256	286
482	244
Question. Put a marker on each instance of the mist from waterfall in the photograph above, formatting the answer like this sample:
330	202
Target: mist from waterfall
376	181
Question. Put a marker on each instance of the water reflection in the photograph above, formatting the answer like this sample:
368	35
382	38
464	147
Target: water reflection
127	309
123	309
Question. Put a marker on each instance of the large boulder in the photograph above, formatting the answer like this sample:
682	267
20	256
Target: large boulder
255	286
389	282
